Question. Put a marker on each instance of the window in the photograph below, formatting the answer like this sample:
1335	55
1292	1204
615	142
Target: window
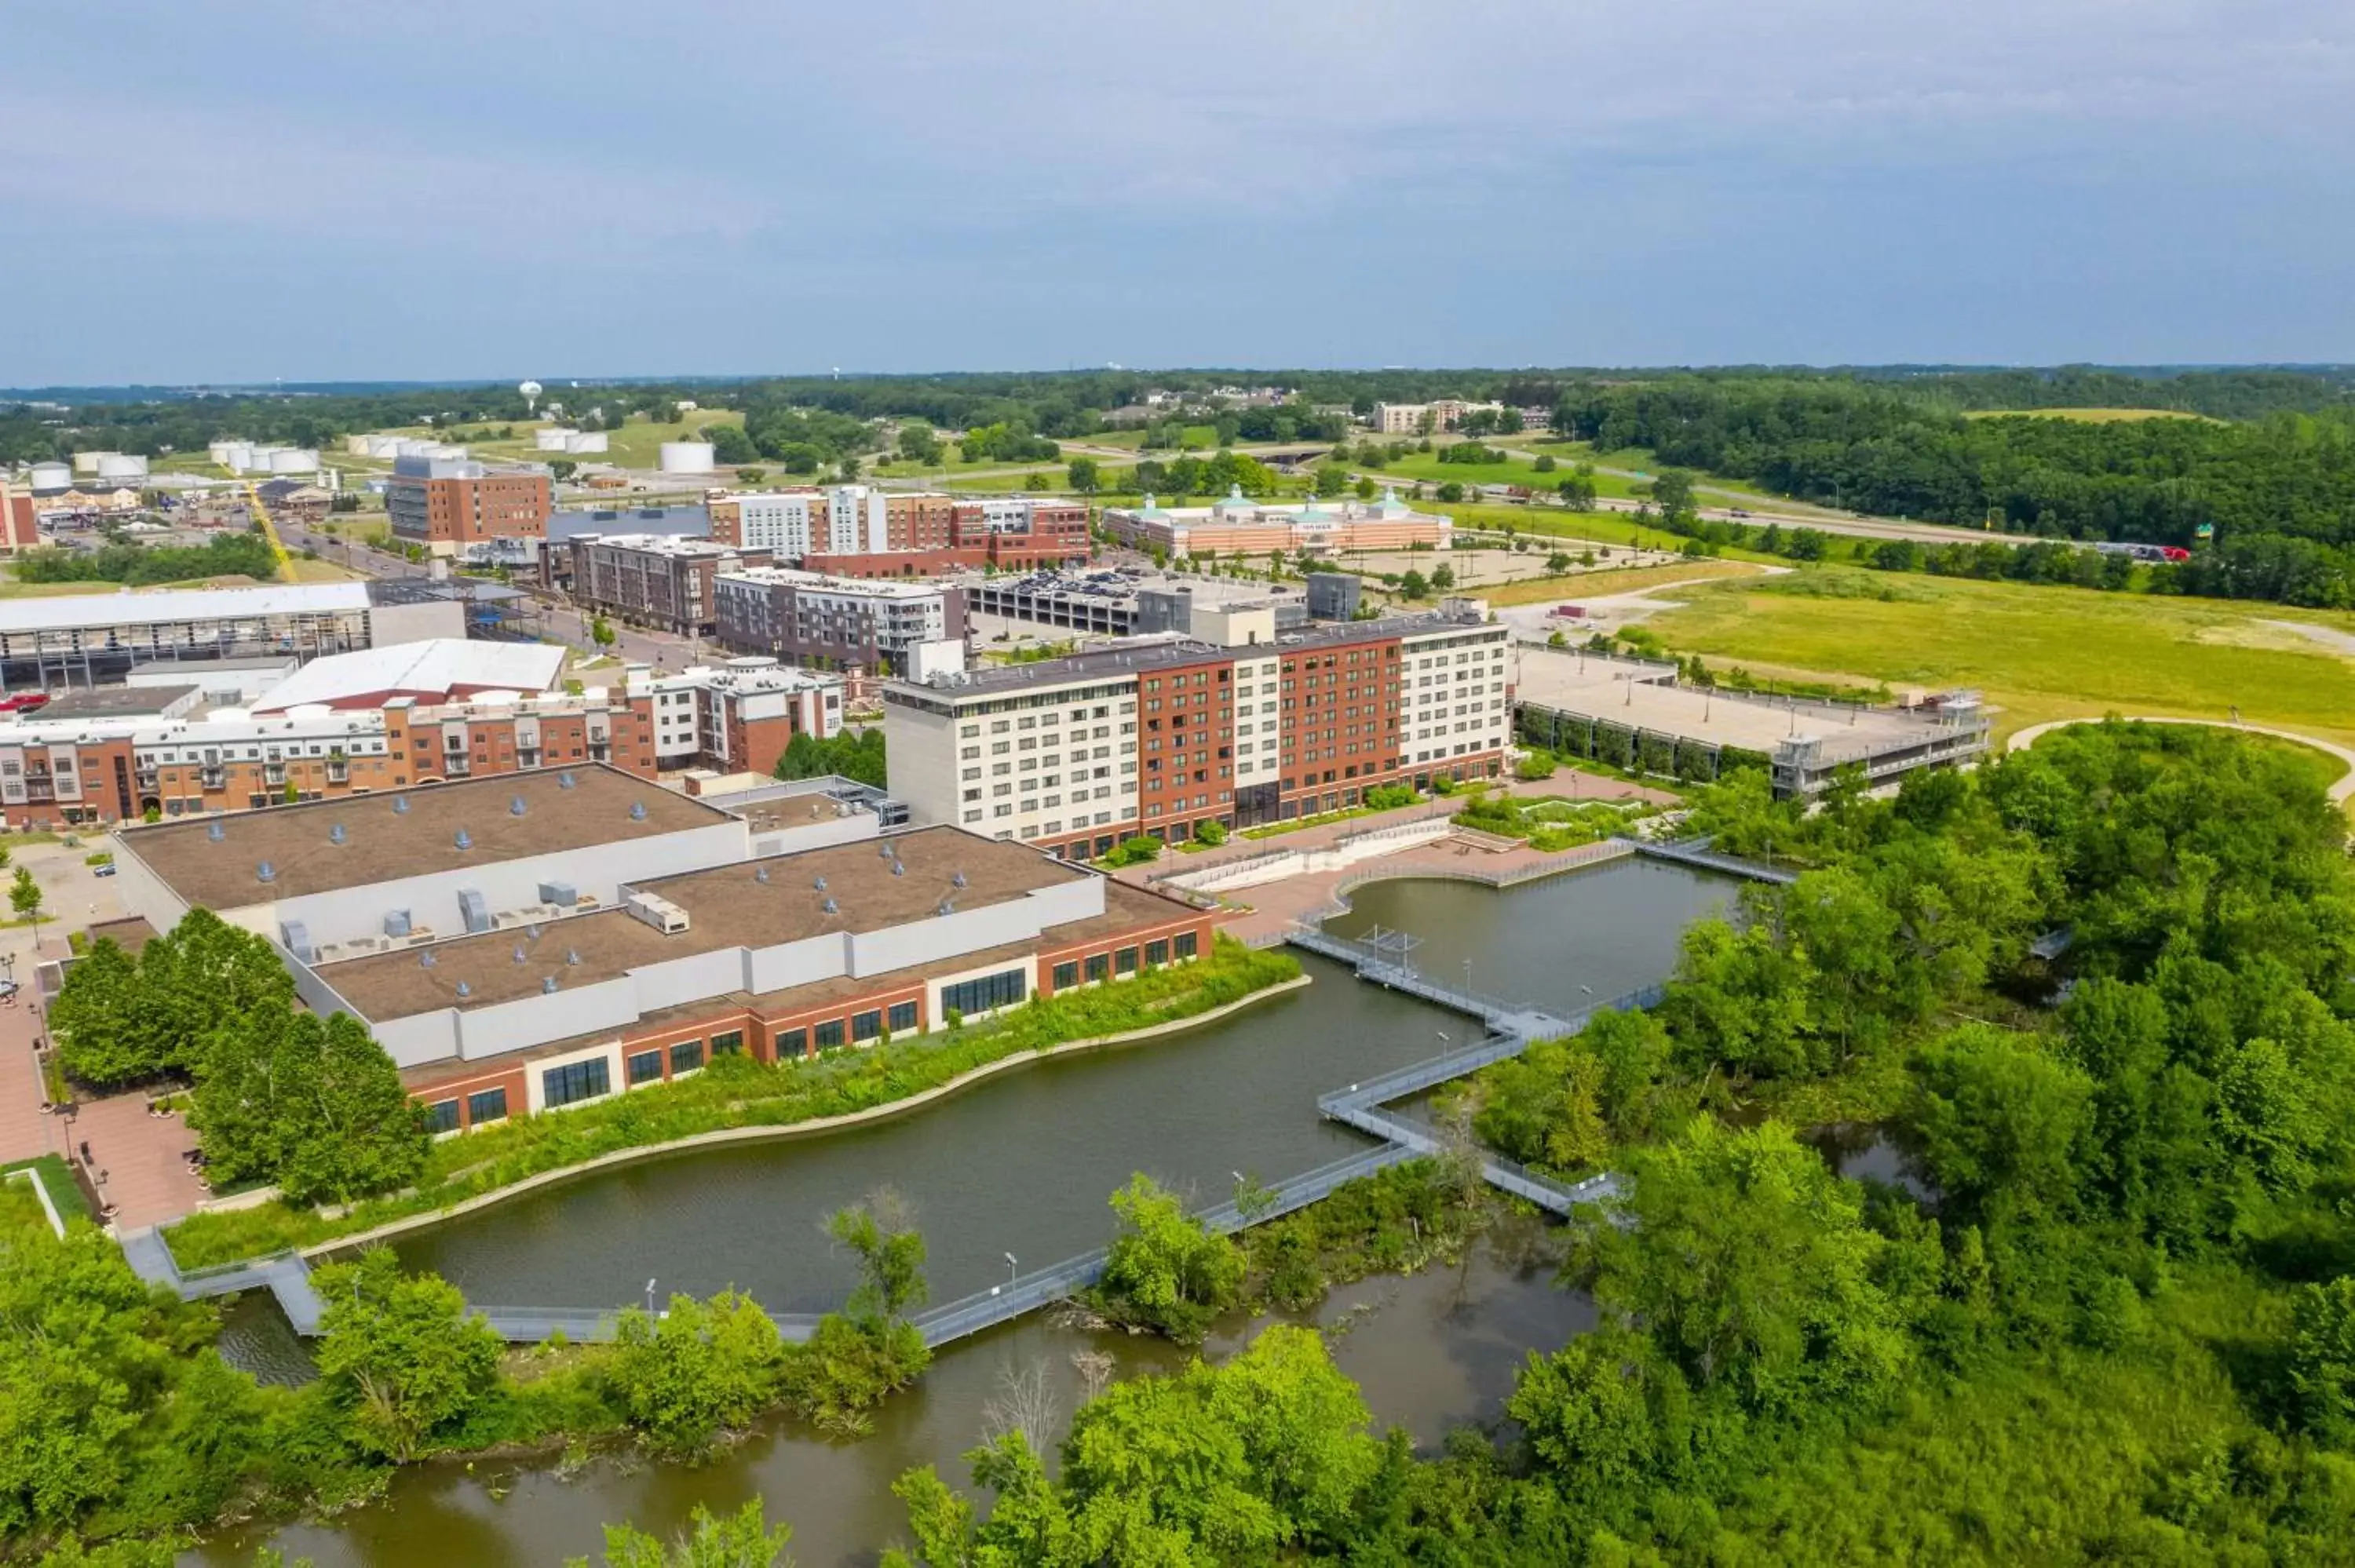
867	1025
990	992
793	1043
1186	944
1067	975
830	1034
1099	965
1125	961
575	1082
646	1066
687	1055
1156	953
903	1016
442	1116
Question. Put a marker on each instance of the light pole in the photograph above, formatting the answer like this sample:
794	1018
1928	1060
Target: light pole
1447	1046
650	1297
1012	1269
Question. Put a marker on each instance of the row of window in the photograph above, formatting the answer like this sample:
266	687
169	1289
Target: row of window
1123	960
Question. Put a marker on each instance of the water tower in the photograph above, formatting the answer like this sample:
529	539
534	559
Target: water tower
530	390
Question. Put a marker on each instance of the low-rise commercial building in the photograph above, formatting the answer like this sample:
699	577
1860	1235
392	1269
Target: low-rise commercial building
1158	737
448	503
856	530
830	622
1238	525
1126	603
531	943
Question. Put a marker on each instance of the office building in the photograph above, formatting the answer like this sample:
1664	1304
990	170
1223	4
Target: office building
449	504
1157	736
654	579
855	530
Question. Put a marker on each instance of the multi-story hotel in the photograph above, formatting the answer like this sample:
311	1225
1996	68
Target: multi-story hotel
833	622
1160	735
534	942
855	530
74	771
1238	525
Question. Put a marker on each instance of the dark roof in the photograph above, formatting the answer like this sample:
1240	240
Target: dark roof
382	844
115	702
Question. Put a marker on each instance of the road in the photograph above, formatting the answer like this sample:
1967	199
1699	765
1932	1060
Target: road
563	621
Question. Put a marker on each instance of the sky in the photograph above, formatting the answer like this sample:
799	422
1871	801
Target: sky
247	189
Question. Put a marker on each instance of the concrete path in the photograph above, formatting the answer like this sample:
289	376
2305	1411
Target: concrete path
2338	793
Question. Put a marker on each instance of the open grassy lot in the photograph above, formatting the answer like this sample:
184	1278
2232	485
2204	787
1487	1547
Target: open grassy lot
2089	416
1632	579
1426	468
637	444
1572	528
2037	652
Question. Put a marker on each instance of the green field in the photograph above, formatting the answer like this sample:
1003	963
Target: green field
637	444
1572	528
1426	468
2038	653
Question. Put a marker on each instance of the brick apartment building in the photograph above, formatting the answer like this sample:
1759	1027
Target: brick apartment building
20	529
1156	736
833	622
652	580
447	504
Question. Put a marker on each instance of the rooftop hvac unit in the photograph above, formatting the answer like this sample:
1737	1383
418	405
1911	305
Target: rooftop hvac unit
659	912
562	895
473	909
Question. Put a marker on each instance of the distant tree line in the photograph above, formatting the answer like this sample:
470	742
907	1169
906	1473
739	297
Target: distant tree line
224	555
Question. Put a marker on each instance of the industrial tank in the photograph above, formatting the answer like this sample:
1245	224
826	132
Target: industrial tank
295	460
551	439
687	457
585	441
51	478
87	463
121	465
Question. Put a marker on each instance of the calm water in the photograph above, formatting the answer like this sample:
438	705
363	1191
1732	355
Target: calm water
1021	1164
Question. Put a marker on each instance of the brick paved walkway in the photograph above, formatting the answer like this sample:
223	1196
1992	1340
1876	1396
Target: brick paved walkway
147	1179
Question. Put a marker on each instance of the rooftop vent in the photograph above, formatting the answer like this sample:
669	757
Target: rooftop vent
216	831
883	852
266	872
532	930
425	959
465	989
396	922
957	880
945	907
831	908
564	780
463	839
548	986
760	873
401	805
898	869
519	954
515	807
571	958
637	811
821	884
336	836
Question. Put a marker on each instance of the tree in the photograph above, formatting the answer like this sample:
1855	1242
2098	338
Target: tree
1443	577
601	632
1413	585
92	1021
314	1103
562	468
1166	1270
399	1351
1998	1119
880	1232
1557	564
1366	489
2322	1360
741	1540
700	1367
1084	476
24	896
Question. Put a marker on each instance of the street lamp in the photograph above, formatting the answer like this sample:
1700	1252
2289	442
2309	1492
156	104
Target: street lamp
650	1297
1447	1046
1012	1269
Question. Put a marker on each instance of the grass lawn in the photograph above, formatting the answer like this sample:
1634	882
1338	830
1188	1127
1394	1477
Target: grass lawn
51	1171
1554	522
2038	653
1426	468
320	571
54	590
1631	579
2088	416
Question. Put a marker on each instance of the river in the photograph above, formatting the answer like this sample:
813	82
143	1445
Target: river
1022	1164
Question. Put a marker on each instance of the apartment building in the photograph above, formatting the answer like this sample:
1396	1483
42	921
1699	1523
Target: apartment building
449	504
856	530
20	529
654	579
1238	525
831	622
1159	735
79	771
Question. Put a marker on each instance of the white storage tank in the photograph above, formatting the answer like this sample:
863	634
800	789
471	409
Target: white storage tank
410	446
687	457
384	446
121	465
234	456
87	463
51	478
551	438
585	441
356	446
295	460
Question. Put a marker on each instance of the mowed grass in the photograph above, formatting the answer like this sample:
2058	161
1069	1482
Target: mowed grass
1572	528
2088	416
2038	653
1626	579
637	444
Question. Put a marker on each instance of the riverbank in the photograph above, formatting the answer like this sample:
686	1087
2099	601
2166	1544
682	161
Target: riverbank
738	1100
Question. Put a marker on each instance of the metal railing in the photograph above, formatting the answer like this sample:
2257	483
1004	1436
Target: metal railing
1696	852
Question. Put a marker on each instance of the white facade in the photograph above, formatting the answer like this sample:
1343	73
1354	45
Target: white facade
783	523
856	521
1452	693
687	457
1038	761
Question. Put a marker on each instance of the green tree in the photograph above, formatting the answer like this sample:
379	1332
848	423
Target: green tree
601	632
1412	585
1443	577
314	1103
741	1540
699	1367
1166	1270
2322	1360
1084	476
24	896
1557	564
880	1232
1998	1119
93	1021
401	1352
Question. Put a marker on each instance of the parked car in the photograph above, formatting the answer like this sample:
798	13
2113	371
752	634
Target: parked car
106	870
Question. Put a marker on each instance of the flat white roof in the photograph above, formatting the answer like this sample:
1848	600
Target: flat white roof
69	612
431	668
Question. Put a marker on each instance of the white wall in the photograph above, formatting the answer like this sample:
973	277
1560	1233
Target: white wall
924	751
538	1019
142	891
